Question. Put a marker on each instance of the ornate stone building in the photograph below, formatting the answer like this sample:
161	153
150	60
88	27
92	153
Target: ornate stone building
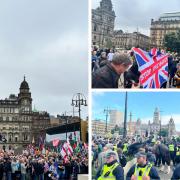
167	23
19	124
124	41
140	128
103	19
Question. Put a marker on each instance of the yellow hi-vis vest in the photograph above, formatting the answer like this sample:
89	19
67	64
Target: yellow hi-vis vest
115	148
177	151
125	148
145	171
153	140
171	147
107	172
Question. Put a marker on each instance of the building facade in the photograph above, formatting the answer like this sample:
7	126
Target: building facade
116	117
126	41
167	23
19	124
99	128
140	128
103	19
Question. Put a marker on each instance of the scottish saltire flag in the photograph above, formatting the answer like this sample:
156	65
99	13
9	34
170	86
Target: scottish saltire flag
153	67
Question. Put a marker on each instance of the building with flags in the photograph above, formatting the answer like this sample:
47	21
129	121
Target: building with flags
167	23
19	124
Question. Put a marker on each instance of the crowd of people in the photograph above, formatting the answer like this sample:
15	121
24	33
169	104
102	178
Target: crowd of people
114	69
33	164
135	158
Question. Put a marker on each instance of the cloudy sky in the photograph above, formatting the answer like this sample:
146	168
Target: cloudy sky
141	104
133	14
47	42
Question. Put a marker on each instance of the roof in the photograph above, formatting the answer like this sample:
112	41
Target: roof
24	84
170	16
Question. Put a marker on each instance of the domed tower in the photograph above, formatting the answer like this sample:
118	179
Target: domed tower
24	97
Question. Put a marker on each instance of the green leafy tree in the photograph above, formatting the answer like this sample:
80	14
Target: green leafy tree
164	133
172	41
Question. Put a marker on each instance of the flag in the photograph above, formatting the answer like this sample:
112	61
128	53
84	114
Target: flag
153	67
56	142
69	148
85	146
63	151
66	150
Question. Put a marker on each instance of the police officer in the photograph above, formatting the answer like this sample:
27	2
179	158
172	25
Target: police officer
111	170
172	152
125	148
142	170
177	158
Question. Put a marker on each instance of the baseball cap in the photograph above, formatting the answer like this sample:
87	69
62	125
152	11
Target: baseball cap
109	154
140	154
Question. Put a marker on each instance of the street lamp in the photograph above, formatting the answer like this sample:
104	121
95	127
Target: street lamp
79	100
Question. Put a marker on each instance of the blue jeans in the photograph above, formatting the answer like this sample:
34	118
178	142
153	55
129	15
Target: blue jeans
39	177
8	175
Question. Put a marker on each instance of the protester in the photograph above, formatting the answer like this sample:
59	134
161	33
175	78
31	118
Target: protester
33	164
108	76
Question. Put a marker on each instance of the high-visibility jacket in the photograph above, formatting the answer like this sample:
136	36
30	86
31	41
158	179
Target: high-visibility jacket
153	140
145	171
171	147
177	151
107	172
115	148
125	148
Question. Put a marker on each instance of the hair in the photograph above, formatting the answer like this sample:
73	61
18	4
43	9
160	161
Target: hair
121	58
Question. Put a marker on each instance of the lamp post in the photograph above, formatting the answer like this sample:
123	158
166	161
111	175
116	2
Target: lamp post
79	100
125	117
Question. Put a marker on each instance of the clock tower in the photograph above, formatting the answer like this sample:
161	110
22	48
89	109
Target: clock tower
24	97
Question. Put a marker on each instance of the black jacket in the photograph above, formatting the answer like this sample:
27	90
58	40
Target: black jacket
118	172
153	172
176	173
105	77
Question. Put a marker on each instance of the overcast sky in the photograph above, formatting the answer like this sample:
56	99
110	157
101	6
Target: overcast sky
133	14
46	41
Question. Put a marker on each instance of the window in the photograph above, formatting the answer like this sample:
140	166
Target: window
16	139
25	137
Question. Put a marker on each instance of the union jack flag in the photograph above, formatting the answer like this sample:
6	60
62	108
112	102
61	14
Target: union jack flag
153	67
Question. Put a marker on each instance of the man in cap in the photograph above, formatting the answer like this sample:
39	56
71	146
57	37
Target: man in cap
111	169
142	170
